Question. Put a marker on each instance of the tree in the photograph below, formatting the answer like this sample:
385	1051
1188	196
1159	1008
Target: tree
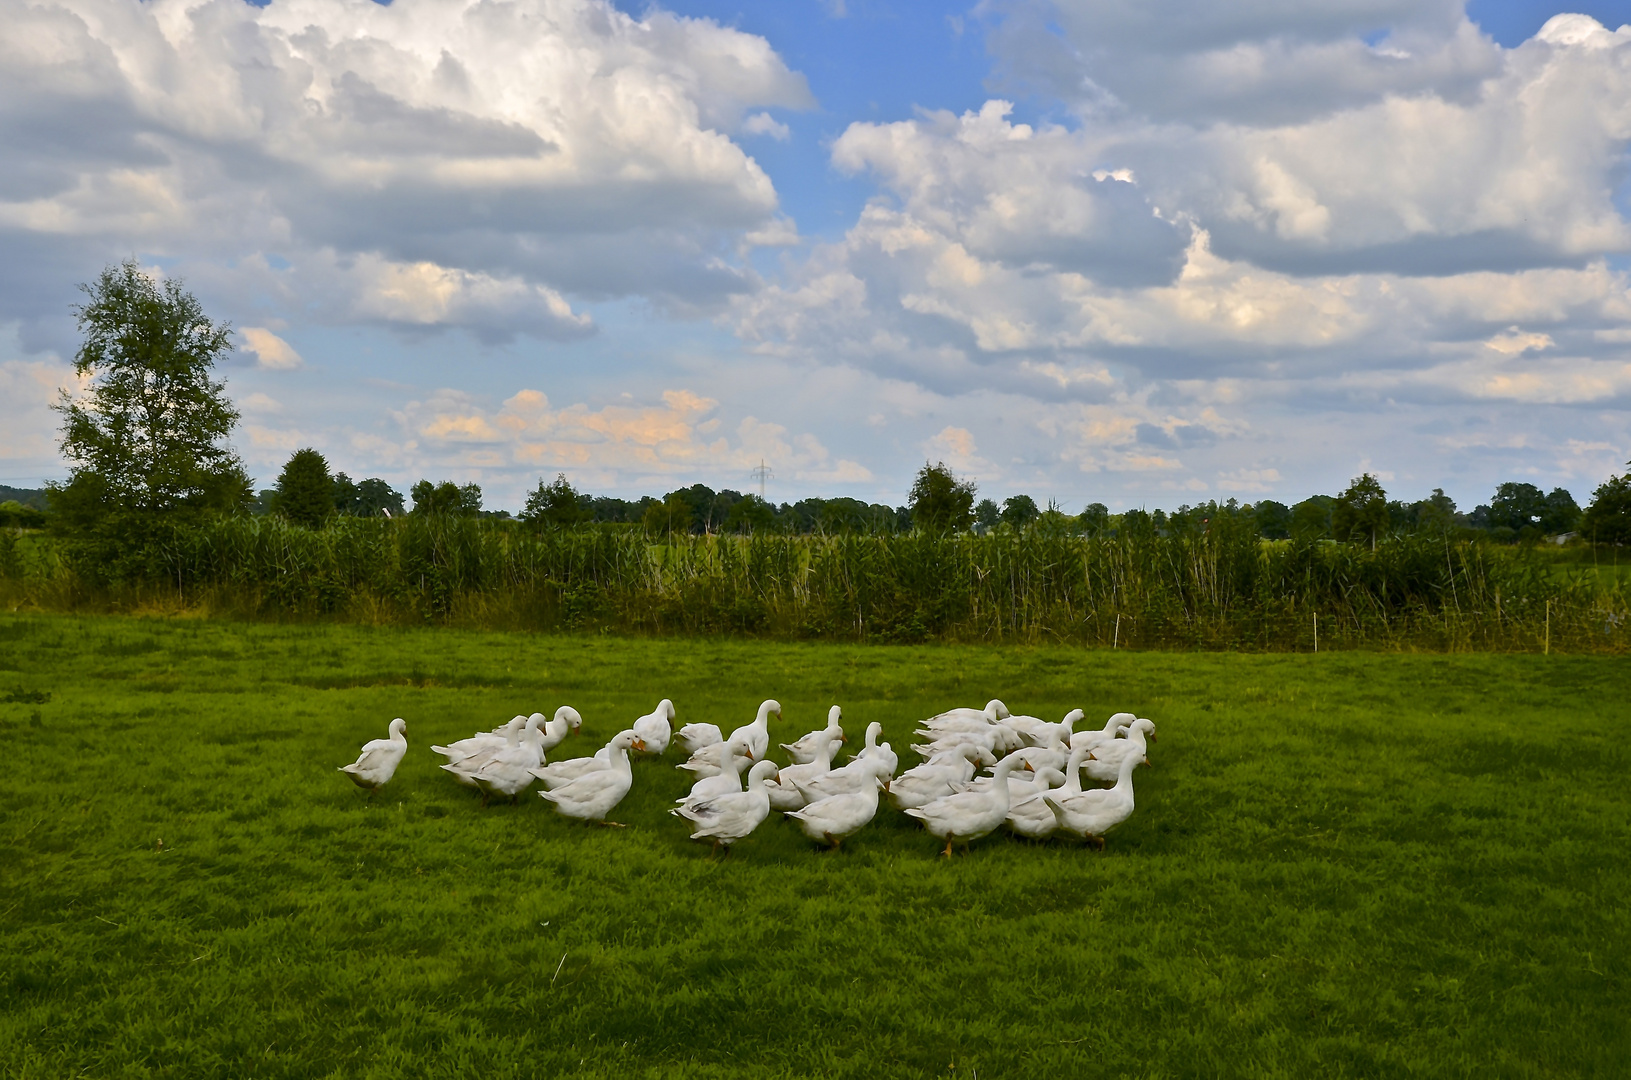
1608	519
987	514
1435	514
1273	519
1019	511
373	497
674	514
446	498
305	490
148	433
751	514
1311	518
1562	513
1360	513
1094	519
1517	506
940	501
556	506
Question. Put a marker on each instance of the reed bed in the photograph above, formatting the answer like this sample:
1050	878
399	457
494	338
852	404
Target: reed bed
1224	588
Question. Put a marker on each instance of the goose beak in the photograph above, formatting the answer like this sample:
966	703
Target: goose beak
749	753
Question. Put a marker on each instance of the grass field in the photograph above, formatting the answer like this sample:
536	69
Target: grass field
1348	864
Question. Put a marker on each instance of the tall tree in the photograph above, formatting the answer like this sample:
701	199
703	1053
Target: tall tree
1608	519
148	432
939	500
556	505
1361	513
1019	511
305	490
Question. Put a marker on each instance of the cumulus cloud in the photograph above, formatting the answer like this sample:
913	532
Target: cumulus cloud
270	351
430	162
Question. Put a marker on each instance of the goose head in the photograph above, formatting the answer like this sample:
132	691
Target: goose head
873	730
996	710
768	706
1146	728
570	715
626	740
665	709
398	727
1070	721
761	771
832	722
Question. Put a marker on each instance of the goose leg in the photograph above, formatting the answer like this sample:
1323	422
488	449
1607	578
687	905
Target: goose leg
947	852
612	824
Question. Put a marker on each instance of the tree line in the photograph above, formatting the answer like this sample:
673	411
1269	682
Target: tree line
148	440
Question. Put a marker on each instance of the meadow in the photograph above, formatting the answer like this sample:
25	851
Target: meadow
1344	864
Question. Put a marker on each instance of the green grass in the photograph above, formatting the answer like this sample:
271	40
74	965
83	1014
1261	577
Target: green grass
1349	864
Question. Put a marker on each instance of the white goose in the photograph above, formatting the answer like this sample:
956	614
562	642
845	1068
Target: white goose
882	751
966	816
693	737
939	776
1037	732
593	795
994	737
966	719
467	769
727	818
1051	751
808	747
456	752
1029	814
1090	814
1104	762
725	781
656	727
1113	727
509	771
565	722
557	773
839	816
784	790
755	736
858	775
377	763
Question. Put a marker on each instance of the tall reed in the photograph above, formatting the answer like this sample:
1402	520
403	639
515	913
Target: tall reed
1218	588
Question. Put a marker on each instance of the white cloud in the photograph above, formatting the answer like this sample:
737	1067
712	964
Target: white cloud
270	350
503	154
765	124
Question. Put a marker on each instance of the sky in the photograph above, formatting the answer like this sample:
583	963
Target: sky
1137	252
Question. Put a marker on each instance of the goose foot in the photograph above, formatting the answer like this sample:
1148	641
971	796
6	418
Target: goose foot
612	824
947	852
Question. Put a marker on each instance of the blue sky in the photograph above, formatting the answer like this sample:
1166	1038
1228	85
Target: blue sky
1141	254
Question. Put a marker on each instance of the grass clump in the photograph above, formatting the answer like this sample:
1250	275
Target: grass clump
1344	865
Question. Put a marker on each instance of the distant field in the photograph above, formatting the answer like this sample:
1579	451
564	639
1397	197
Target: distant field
1349	864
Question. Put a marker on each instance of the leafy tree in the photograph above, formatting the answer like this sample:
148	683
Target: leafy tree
1019	511
1516	506
1608	519
987	513
1360	513
1094	519
751	514
1273	519
940	501
1562	513
557	505
674	514
1311	518
446	498
373	497
148	433
305	490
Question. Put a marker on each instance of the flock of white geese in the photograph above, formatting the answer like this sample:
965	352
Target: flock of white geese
1033	787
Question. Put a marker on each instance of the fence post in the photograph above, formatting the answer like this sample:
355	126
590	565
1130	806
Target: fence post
1548	647
1316	631
1115	643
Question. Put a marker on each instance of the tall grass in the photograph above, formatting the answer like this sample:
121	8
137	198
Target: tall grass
1221	588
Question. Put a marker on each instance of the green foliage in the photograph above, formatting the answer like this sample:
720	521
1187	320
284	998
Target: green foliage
1608	519
1093	520
1360	513
14	515
1273	519
147	435
941	502
556	506
987	513
1311	519
446	499
305	490
1019	511
751	514
365	498
1339	866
